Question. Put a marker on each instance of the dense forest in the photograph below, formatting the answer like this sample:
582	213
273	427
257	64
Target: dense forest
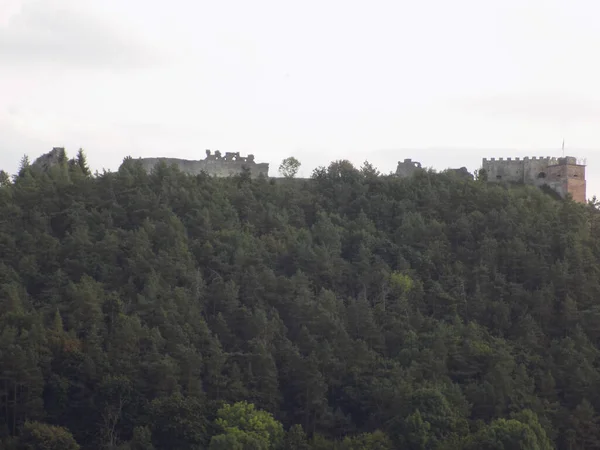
348	311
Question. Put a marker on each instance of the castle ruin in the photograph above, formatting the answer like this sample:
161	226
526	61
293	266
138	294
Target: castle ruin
564	175
214	164
408	167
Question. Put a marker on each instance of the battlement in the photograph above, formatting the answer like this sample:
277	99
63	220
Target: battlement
527	158
566	175
551	160
213	164
229	157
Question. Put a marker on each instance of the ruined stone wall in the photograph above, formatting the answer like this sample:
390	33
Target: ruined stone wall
214	165
407	168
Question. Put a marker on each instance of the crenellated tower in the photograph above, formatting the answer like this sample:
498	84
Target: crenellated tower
564	175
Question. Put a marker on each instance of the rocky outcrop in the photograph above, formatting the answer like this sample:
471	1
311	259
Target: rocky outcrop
50	159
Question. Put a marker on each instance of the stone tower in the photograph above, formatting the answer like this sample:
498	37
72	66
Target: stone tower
564	175
569	177
407	168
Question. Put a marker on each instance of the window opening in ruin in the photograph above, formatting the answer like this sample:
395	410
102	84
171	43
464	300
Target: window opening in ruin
542	175
499	177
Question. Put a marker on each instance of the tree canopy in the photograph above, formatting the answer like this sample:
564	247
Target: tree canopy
289	167
347	311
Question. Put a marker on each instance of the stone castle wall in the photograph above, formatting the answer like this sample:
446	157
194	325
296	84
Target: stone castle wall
564	175
408	167
517	170
214	165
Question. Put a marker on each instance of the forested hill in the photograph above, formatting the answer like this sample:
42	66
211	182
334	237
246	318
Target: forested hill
351	311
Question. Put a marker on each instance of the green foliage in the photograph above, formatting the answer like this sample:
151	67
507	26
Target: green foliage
244	427
401	282
354	310
367	441
81	162
369	171
417	432
289	167
521	432
296	439
4	179
481	175
177	422
24	163
141	439
39	436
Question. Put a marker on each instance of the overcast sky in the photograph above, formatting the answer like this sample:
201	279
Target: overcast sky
443	82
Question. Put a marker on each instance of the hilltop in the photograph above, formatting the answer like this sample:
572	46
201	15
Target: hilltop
349	311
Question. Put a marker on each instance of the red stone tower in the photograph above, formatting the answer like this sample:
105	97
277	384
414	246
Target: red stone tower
568	177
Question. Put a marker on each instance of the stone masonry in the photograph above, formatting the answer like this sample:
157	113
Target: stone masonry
408	167
564	175
214	164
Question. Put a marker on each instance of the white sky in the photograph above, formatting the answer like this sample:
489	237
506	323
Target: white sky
443	82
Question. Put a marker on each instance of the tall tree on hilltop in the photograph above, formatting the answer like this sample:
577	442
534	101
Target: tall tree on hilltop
289	167
81	161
